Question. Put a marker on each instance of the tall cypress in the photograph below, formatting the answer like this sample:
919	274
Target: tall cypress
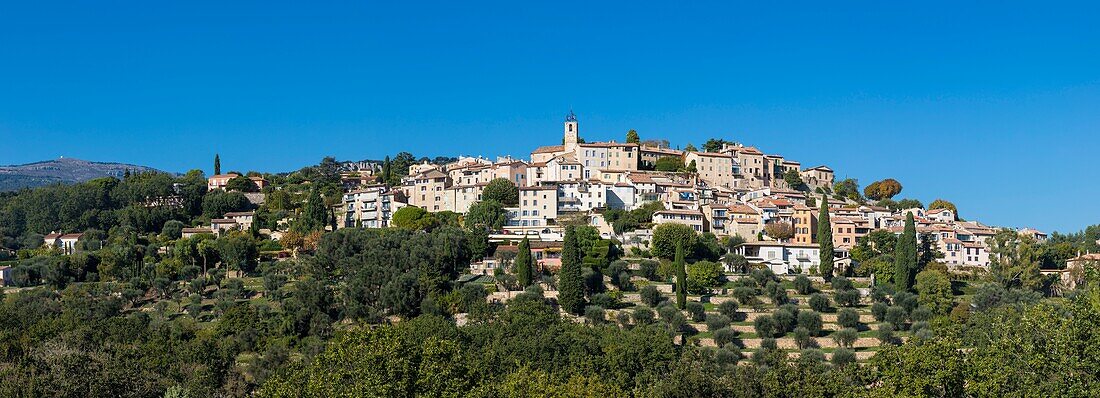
523	263
825	239
217	164
681	277
905	255
570	284
387	169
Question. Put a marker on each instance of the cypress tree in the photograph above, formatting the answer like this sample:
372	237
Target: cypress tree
217	164
523	263
313	215
387	169
570	285
825	239
905	256
681	277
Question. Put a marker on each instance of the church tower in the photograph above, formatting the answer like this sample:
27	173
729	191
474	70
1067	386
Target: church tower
571	132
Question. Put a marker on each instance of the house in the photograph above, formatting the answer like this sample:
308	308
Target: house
426	190
648	156
66	243
819	176
783	258
242	218
371	206
1033	233
221	225
189	232
691	218
219	181
716	169
538	207
5	276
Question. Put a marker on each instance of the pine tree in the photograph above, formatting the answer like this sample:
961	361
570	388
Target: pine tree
217	164
314	215
632	137
905	256
681	277
825	239
523	263
570	285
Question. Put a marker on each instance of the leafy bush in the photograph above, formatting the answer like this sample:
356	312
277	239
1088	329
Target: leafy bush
848	318
724	336
697	311
643	316
921	314
651	296
896	316
843	357
728	308
648	269
803	285
595	314
785	320
776	292
803	338
886	334
819	302
878	310
604	300
744	295
717	321
847	298
810	320
703	275
906	300
811	356
764	326
841	283
845	337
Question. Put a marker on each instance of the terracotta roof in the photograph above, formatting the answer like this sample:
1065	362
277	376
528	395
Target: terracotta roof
822	168
52	236
549	149
71	236
239	214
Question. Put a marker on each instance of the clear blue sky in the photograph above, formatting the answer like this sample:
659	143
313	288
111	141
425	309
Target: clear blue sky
993	105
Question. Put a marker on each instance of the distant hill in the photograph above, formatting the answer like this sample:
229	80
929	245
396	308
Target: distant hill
63	170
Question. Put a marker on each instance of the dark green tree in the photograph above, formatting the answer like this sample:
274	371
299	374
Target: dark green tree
217	164
632	137
524	263
501	190
905	256
314	215
570	283
825	239
681	277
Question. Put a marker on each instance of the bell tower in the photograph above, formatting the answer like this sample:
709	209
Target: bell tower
571	131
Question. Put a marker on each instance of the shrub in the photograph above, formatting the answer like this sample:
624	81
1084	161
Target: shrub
703	275
845	337
728	308
717	321
784	320
651	296
623	319
762	276
776	293
843	357
811	357
803	339
724	336
810	320
744	295
648	269
896	316
921	314
595	314
819	303
697	311
604	300
729	354
906	300
847	298
841	283
643	316
803	285
878	309
886	333
848	318
764	326
880	293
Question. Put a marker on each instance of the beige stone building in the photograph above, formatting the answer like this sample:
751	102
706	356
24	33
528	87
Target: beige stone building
716	169
427	190
692	218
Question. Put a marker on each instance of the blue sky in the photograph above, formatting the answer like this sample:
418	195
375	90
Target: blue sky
993	105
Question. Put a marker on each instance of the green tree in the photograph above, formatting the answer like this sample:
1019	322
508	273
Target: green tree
524	263
241	184
934	291
905	256
690	148
1014	261
217	164
668	236
413	218
669	164
570	284
702	276
681	278
486	214
714	145
387	171
632	137
825	239
501	190
943	204
314	215
794	180
779	230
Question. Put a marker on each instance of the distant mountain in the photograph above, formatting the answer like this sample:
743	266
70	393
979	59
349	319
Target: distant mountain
63	170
